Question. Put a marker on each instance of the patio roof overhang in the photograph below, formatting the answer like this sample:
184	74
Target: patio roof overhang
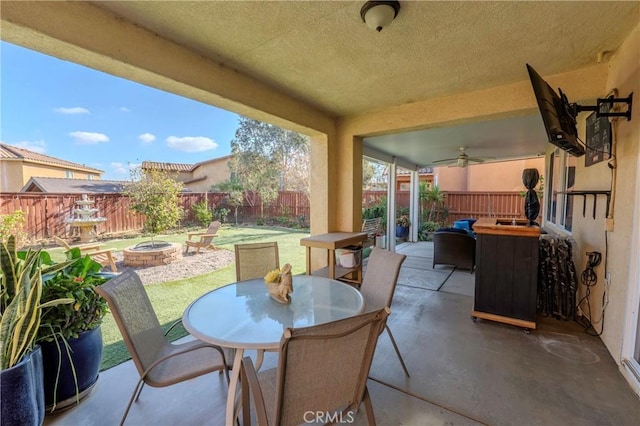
443	75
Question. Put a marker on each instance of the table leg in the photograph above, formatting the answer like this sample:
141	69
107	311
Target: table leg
308	260
259	359
332	264
233	387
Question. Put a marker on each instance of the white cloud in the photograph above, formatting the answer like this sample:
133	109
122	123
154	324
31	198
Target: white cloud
146	138
72	111
125	109
36	146
88	138
123	169
191	143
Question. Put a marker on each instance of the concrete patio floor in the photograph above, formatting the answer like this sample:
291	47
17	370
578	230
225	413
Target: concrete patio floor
462	372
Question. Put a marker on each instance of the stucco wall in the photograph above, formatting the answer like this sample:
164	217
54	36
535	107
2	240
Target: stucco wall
15	174
11	176
502	176
589	233
37	170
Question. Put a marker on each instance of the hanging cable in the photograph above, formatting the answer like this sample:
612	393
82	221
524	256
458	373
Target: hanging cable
589	279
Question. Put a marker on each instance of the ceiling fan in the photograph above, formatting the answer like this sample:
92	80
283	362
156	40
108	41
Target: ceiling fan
462	160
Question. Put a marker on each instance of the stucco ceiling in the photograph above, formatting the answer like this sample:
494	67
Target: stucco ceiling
323	54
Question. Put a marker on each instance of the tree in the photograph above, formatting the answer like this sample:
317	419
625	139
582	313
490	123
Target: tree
154	194
373	175
235	195
268	159
433	196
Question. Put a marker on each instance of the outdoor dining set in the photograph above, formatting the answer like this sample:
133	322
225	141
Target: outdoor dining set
324	335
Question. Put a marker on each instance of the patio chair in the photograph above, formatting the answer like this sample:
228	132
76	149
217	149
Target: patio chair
453	246
321	369
373	228
103	257
255	260
159	362
204	239
379	284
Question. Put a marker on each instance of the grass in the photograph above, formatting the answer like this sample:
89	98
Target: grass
170	299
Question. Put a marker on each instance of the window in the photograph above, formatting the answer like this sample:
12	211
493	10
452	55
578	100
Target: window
562	174
90	177
68	174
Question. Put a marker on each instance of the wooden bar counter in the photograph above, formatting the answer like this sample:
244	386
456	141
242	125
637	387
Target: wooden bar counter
506	271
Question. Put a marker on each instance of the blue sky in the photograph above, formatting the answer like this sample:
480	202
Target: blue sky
89	117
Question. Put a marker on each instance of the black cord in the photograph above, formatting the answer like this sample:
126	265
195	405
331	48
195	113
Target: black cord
590	279
599	151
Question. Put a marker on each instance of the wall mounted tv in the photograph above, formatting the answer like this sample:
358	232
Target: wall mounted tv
558	115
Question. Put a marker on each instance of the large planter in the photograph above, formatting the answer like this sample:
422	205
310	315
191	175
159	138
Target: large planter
402	231
21	392
86	356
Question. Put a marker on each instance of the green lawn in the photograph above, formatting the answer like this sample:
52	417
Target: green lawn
171	298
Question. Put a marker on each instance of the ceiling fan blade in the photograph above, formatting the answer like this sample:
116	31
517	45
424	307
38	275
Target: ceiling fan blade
446	160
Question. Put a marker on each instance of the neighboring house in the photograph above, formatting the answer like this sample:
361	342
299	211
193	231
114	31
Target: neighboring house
18	165
197	177
492	177
497	176
403	178
72	186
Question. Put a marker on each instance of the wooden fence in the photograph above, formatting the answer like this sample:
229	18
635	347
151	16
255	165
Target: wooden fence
462	204
46	213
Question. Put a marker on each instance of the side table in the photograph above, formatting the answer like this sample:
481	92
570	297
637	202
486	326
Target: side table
331	242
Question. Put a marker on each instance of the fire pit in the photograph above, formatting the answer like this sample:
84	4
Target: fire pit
152	253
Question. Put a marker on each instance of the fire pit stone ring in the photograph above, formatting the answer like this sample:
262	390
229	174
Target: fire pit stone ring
152	253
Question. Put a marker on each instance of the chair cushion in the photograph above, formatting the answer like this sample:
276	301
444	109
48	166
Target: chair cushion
457	230
461	224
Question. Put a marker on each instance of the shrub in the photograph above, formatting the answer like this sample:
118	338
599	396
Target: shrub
154	194
221	214
202	213
13	224
426	229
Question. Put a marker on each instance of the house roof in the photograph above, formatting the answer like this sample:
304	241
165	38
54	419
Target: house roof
9	152
72	186
180	167
168	167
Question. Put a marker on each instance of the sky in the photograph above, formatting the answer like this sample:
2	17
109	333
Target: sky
78	114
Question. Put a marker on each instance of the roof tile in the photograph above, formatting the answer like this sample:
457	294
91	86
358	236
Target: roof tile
15	153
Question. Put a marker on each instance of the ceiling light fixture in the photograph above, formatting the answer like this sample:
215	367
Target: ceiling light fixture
379	14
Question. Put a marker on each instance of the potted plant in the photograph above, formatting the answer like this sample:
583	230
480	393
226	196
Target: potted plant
70	335
21	368
402	226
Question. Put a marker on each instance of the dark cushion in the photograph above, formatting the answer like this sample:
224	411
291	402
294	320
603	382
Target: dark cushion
457	230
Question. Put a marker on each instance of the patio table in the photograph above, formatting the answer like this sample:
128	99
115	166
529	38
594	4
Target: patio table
242	316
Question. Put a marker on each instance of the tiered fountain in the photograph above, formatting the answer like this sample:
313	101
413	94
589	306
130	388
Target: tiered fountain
83	219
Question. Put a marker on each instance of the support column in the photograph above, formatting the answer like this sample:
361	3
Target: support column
391	207
345	168
414	206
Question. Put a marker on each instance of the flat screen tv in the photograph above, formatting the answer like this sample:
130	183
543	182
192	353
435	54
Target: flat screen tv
558	115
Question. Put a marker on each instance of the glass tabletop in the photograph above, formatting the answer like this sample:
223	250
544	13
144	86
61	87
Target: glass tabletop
242	315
